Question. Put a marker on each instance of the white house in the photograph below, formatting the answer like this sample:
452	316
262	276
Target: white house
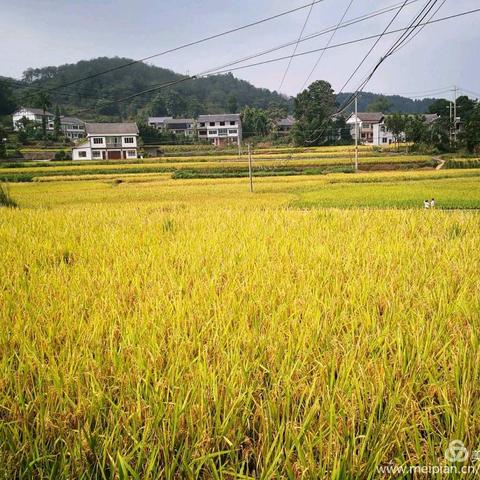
32	114
178	126
382	136
72	128
108	141
223	129
366	122
158	122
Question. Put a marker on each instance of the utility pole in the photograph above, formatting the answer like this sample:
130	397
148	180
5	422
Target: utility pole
250	166
455	89
356	133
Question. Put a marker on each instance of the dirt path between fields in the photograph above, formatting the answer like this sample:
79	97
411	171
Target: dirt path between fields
441	163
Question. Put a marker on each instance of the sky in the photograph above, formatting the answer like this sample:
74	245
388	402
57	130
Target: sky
39	33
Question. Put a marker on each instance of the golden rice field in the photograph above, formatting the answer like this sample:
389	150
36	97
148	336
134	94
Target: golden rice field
320	327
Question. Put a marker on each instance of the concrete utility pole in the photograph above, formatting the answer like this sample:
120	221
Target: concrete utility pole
356	133
250	166
455	90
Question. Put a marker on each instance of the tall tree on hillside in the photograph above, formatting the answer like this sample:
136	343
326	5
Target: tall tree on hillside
380	104
57	124
43	101
313	110
232	104
8	102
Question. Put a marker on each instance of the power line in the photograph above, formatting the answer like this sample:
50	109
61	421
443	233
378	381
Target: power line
343	44
210	73
421	29
397	44
296	46
373	47
186	45
328	43
407	32
273	49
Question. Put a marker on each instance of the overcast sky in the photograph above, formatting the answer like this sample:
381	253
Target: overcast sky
38	33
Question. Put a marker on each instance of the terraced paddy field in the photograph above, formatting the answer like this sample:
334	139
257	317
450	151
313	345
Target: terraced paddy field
200	166
319	327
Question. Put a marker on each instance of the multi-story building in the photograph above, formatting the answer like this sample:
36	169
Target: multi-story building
108	141
178	126
220	129
32	114
366	122
383	136
72	128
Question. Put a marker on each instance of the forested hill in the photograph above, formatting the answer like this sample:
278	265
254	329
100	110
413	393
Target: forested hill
374	102
216	94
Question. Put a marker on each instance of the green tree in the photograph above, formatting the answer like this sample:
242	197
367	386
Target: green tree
470	137
396	124
416	130
380	104
255	122
8	102
3	143
57	124
43	101
313	110
441	107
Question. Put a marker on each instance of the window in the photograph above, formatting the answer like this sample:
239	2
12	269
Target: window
131	153
213	132
128	140
96	154
222	132
212	124
202	132
384	140
202	124
233	132
233	123
222	124
97	140
82	154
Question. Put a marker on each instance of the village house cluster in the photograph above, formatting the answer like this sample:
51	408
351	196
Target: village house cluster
115	141
72	128
373	130
221	129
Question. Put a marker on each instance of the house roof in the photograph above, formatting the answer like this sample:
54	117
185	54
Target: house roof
286	122
172	121
158	119
223	117
72	120
35	111
373	117
111	128
430	117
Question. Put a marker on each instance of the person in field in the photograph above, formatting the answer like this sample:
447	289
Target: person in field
432	203
426	204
